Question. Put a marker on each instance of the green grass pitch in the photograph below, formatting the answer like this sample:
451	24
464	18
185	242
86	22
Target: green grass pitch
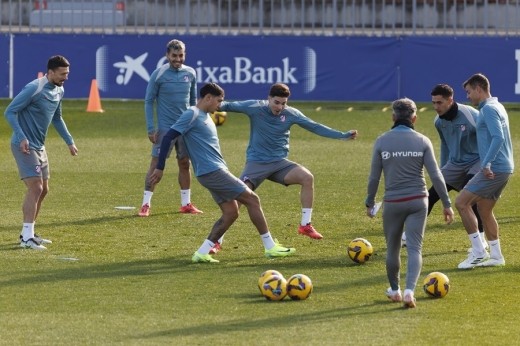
132	282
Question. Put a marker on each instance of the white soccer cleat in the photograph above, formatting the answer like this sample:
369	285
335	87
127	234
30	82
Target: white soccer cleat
492	262
473	260
31	243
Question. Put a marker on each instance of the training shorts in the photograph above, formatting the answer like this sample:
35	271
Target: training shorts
34	164
257	172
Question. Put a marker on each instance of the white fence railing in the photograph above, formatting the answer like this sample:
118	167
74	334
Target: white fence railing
283	17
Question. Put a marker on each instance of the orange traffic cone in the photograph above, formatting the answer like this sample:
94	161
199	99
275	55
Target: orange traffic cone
94	103
40	74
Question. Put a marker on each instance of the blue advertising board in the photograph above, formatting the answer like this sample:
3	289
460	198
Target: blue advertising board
316	68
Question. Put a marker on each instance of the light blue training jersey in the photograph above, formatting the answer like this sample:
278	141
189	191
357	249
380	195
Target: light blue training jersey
269	134
31	112
174	90
200	136
494	138
458	137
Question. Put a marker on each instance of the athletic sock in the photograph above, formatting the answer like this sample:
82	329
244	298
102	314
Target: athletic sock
306	216
476	244
494	249
27	231
268	241
185	197
205	247
147	198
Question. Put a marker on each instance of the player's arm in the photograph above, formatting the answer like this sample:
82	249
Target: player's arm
61	128
320	129
20	102
496	132
163	153
149	100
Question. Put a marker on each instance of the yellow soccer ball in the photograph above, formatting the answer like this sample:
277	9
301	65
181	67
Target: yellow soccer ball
359	250
219	118
265	275
436	285
299	287
274	287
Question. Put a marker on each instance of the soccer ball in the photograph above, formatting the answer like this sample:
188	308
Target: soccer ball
436	285
219	118
274	287
265	275
299	287
360	250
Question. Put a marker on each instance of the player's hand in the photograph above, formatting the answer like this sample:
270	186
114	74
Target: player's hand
24	146
488	173
156	176
152	136
353	135
73	150
448	215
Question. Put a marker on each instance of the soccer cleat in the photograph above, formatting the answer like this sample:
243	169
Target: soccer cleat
309	231
145	210
190	209
39	239
492	262
216	248
198	258
279	251
473	260
31	243
409	300
394	296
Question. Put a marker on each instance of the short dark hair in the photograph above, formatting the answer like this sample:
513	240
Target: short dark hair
212	89
56	62
476	80
280	90
175	45
443	90
404	109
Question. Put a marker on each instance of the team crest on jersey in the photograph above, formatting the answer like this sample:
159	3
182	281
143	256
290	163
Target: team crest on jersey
282	118
463	128
186	78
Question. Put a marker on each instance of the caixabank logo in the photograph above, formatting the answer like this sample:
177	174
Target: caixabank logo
127	74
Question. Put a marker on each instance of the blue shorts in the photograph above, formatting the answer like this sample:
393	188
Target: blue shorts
222	185
34	164
488	188
178	143
257	172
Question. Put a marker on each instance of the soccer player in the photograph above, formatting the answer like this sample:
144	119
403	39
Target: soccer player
266	156
173	87
30	114
200	135
496	167
459	162
401	154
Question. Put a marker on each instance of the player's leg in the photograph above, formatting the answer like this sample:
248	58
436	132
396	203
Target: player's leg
183	162
30	209
252	202
464	204
492	233
149	188
393	223
415	224
302	176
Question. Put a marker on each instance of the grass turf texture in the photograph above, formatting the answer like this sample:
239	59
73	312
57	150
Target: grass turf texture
133	282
